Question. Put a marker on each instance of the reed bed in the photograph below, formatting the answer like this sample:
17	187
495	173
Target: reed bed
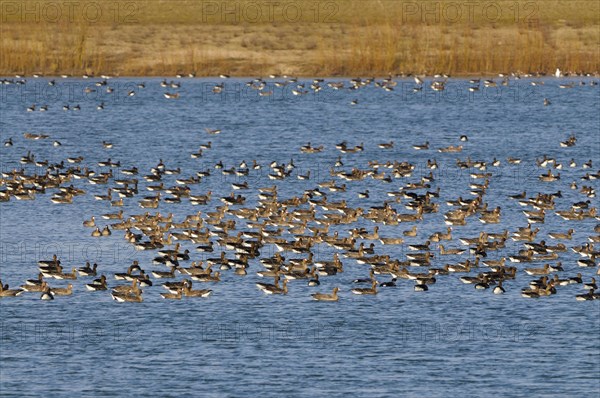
311	38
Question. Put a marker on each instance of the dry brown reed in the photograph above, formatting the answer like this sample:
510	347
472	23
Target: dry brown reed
325	38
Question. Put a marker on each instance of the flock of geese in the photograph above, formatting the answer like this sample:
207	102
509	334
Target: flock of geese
292	86
231	235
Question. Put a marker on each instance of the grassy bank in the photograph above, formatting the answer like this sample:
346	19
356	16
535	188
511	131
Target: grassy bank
302	37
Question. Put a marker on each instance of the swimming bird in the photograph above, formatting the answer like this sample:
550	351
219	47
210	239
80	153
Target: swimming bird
275	289
590	295
47	294
530	294
591	285
568	235
371	278
314	281
5	291
391	283
366	291
34	282
421	287
587	262
34	287
216	277
444	251
411	232
165	274
327	297
173	296
64	291
499	289
538	271
90	223
188	292
127	297
97	284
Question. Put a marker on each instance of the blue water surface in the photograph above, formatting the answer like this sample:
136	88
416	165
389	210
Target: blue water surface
450	341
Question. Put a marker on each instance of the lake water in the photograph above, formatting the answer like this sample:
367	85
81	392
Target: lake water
452	340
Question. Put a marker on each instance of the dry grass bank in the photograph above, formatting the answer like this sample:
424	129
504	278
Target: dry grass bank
301	37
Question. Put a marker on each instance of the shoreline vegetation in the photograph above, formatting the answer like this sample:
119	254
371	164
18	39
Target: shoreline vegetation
298	38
